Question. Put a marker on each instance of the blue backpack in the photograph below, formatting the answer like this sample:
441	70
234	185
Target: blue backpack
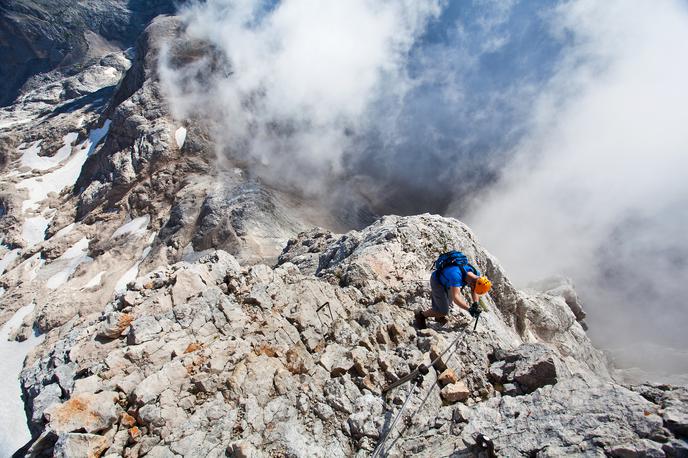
453	258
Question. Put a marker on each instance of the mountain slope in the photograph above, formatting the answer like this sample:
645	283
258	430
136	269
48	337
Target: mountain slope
208	358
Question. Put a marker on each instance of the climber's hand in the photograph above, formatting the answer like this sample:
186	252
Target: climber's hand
474	310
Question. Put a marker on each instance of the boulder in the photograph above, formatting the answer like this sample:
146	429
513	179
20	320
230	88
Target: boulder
186	284
241	449
89	412
367	418
455	392
143	329
447	377
529	367
588	415
171	375
70	445
49	396
676	418
336	359
564	288
637	449
64	375
114	324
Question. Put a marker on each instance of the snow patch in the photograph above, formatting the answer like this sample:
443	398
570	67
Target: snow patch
180	136
65	230
131	274
32	265
15	122
8	259
14	431
136	226
33	230
2	291
30	157
95	281
77	250
72	258
56	181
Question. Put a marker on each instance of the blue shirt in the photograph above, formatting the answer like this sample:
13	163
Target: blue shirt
452	277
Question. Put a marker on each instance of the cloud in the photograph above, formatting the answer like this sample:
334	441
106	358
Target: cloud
381	103
597	186
304	74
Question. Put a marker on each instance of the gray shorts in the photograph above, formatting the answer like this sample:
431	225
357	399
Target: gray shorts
440	296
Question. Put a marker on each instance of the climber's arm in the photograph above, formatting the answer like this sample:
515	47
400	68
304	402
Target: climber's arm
458	298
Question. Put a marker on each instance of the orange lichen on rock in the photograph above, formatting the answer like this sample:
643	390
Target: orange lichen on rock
88	412
127	420
192	347
125	320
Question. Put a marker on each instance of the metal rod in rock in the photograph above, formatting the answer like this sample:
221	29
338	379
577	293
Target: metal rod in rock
288	336
317	312
330	309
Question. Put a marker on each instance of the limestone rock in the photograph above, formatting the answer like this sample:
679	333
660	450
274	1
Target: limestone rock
455	392
71	445
114	324
143	329
618	416
447	377
89	412
676	418
170	376
336	359
367	418
64	375
187	284
241	449
49	396
530	366
563	287
639	448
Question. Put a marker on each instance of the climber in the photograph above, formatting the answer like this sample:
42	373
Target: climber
452	272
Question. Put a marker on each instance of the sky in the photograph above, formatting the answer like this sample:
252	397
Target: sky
555	129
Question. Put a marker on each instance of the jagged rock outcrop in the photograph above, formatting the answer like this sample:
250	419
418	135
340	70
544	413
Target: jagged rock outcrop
563	287
215	358
525	369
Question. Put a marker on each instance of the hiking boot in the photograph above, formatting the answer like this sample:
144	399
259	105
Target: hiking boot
420	321
442	320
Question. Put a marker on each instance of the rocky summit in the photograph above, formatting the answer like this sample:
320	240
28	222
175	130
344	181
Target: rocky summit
158	300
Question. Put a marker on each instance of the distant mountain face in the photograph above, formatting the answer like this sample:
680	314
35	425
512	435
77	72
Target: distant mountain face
37	36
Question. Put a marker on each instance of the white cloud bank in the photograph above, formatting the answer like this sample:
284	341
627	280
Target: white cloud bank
302	75
598	188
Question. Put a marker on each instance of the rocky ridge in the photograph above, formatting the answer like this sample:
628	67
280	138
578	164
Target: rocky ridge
214	358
